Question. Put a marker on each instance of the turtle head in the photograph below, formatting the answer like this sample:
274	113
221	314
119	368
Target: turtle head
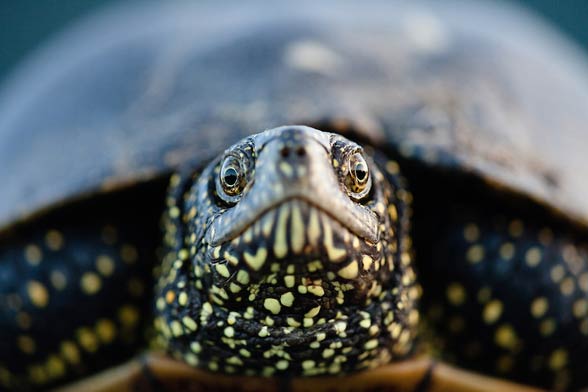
292	240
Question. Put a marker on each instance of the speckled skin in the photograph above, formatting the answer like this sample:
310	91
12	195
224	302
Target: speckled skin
75	297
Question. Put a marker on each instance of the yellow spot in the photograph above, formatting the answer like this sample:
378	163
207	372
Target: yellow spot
292	322
33	254
287	299
289	281
567	286
371	344
106	330
471	232
492	311
583	282
54	240
5	377
280	242
243	277
176	328
229	332
129	254
297	229
222	270
366	262
393	212
105	265
272	305
38	294
547	327
475	254
128	316
257	260
189	323
282	365
584	327
506	251
580	308
90	283
55	366
516	228
350	271
456	294
558	359
533	256
183	298
313	312
263	332
506	337
392	167
539	307
26	344
170	295
87	339
70	352
316	290
58	279
308	364
557	273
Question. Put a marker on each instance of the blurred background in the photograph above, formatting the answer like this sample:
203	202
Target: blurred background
26	24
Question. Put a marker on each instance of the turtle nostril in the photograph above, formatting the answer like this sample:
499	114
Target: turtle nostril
300	151
285	152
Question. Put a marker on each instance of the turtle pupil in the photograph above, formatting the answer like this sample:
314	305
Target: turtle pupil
360	171
230	177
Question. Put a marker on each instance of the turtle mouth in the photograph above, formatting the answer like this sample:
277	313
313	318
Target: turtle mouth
296	214
295	230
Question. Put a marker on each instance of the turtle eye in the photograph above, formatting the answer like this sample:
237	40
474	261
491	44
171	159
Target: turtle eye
358	179
231	178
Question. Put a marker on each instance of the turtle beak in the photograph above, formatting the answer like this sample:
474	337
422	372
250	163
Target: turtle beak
295	163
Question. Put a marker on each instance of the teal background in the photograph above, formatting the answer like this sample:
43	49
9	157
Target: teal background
26	24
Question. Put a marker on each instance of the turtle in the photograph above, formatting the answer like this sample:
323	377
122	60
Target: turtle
308	196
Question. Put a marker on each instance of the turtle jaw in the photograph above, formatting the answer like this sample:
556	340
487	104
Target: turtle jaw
298	278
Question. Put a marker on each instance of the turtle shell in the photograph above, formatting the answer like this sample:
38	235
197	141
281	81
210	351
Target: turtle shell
139	90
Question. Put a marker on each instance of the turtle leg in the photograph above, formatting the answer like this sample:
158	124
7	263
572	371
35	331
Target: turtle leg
73	298
508	296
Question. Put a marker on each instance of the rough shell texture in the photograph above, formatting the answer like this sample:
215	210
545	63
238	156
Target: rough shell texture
139	90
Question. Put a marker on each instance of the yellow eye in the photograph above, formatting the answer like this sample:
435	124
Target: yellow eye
231	176
358	176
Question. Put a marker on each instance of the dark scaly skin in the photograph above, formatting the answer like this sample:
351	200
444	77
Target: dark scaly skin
291	288
75	291
510	298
